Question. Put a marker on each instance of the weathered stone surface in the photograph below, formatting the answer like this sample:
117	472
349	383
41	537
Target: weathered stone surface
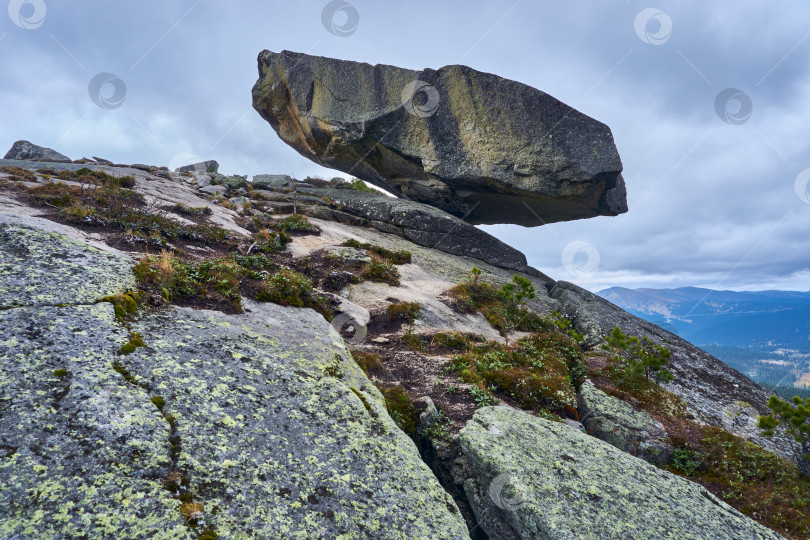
275	428
83	453
424	225
536	479
350	256
707	385
282	432
263	181
474	144
618	423
28	151
234	182
39	268
202	167
214	190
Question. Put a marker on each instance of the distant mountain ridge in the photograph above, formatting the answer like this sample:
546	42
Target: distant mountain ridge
707	317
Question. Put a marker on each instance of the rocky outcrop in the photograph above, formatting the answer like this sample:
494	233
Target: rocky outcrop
28	151
619	424
257	424
421	224
536	479
210	166
710	388
473	144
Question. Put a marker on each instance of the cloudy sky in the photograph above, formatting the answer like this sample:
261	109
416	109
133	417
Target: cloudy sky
715	186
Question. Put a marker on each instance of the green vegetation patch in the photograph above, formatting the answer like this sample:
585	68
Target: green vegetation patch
222	281
753	480
394	257
503	307
401	410
404	311
297	223
539	372
358	185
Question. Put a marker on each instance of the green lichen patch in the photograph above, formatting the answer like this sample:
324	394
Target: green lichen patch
532	475
39	268
282	432
90	450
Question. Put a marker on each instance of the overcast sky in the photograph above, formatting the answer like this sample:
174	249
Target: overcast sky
715	186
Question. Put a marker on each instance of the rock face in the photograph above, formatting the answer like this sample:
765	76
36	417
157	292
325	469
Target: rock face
263	418
536	479
476	145
619	424
210	166
28	151
711	389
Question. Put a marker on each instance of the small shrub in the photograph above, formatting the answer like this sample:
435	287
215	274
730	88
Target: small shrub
381	271
296	222
367	361
639	355
358	185
404	311
394	257
794	415
402	411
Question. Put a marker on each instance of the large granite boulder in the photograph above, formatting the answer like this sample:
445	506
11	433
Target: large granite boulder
478	146
28	151
253	425
618	423
537	479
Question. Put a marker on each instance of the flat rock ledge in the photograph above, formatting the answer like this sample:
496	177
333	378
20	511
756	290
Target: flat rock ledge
537	479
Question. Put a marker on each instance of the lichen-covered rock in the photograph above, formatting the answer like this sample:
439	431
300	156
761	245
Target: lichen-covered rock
280	432
256	425
264	181
28	151
618	423
202	167
536	479
82	452
39	268
476	145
